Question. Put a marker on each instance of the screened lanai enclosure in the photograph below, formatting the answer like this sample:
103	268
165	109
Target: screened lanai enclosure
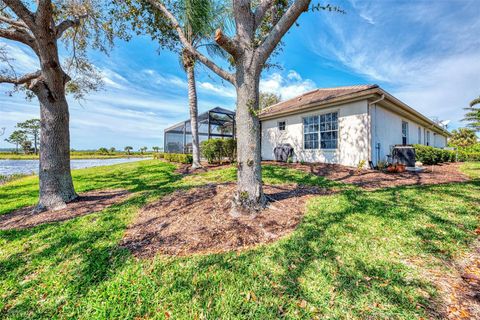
215	123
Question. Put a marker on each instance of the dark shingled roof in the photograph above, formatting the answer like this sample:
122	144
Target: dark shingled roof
316	96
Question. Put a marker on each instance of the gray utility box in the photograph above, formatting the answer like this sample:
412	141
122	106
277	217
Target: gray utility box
282	152
404	155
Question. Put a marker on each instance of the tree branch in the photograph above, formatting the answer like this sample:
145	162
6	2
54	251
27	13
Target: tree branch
226	43
279	30
19	36
21	80
13	23
67	24
22	12
209	63
43	16
261	11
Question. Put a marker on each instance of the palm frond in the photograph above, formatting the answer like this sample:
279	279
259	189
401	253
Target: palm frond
215	50
475	102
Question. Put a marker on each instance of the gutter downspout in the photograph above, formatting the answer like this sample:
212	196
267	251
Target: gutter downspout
375	123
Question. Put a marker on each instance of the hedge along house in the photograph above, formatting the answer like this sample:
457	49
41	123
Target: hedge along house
214	123
345	125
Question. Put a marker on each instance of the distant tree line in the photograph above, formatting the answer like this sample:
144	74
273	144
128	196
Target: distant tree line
26	136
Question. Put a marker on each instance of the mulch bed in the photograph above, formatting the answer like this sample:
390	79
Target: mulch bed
86	203
459	291
199	221
367	179
373	179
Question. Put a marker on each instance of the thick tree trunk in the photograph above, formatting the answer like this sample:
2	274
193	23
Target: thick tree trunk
192	100
249	196
56	185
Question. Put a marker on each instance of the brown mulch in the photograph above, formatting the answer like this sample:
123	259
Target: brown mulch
199	221
373	179
460	290
86	203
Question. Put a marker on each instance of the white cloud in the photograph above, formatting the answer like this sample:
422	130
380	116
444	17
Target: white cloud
293	75
224	91
426	54
287	87
163	79
23	61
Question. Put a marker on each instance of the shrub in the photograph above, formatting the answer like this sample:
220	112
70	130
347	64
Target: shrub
430	155
178	157
468	156
230	149
215	150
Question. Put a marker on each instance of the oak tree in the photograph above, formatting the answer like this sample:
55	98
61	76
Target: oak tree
32	128
43	26
259	28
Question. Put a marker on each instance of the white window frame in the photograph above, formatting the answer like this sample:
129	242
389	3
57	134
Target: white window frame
405	134
317	115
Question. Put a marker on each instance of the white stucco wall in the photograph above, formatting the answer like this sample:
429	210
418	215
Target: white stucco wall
353	141
387	132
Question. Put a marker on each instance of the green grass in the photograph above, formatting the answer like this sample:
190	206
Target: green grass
472	169
357	254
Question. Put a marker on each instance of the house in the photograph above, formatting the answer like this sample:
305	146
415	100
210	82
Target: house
345	125
214	123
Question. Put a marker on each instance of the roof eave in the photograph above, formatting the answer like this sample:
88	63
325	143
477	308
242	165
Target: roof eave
412	111
352	97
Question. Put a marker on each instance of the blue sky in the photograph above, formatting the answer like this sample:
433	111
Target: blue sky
427	53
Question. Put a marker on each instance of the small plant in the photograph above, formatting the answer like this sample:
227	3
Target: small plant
290	159
381	165
360	165
396	168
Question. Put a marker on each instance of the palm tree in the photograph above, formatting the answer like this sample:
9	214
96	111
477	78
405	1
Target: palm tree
473	115
200	19
128	149
156	149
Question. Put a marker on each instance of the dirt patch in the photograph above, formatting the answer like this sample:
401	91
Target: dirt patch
185	169
199	221
86	203
460	290
373	179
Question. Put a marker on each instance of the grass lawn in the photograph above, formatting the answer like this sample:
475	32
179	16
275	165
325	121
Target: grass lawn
356	254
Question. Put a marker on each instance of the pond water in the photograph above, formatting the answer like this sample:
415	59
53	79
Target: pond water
9	167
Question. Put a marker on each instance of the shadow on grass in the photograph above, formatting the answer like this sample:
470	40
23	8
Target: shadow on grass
86	246
316	265
332	261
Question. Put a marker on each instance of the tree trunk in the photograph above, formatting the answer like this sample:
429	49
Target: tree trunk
192	100
35	139
249	196
56	185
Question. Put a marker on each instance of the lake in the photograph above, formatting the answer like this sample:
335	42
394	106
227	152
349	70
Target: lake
9	167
